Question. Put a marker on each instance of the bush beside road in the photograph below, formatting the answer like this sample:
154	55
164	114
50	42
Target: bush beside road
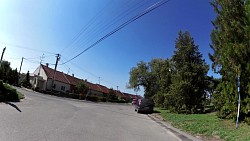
7	93
207	126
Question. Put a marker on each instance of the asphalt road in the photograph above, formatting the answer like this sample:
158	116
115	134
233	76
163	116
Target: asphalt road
42	117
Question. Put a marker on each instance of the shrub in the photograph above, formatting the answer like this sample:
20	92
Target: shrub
93	98
247	120
117	101
7	93
73	95
103	99
82	96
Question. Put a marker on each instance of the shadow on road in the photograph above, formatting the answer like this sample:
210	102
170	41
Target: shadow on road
13	105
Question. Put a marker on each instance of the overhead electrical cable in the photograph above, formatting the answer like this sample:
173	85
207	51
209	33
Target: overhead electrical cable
96	76
27	48
92	28
149	9
105	26
84	28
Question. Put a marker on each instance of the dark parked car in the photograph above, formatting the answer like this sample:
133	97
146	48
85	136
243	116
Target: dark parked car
144	106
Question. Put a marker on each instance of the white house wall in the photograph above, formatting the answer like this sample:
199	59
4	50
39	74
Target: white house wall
42	72
58	85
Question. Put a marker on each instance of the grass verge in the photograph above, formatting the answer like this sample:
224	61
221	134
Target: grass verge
208	126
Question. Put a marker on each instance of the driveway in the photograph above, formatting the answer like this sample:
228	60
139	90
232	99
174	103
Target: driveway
42	117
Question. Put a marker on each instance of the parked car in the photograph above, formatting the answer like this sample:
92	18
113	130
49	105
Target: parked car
144	106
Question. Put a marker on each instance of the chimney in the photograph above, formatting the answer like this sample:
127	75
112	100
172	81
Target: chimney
47	64
86	80
73	75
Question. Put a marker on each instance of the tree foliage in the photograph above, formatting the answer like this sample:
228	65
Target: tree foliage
7	74
153	77
188	88
176	83
231	57
81	88
26	81
112	96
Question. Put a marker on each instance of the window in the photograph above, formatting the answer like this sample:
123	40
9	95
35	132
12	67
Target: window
54	86
63	88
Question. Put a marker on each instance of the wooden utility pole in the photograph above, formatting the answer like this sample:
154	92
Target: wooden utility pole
20	67
2	55
53	78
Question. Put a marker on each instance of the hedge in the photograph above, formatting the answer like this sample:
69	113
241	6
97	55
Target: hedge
7	93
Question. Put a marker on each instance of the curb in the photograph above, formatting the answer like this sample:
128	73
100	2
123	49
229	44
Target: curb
180	135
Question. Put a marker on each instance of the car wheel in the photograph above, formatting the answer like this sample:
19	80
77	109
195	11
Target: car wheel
138	111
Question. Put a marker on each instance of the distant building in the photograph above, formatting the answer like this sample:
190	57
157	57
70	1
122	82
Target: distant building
42	80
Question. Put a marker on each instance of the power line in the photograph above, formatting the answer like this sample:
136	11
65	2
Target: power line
80	68
105	25
112	85
27	48
35	62
31	61
84	28
149	9
96	76
17	58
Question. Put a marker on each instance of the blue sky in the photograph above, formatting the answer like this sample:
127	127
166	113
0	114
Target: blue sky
50	27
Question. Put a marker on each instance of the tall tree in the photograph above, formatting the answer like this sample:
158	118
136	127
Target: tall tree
5	70
81	88
153	77
230	43
161	70
26	82
13	77
141	77
189	71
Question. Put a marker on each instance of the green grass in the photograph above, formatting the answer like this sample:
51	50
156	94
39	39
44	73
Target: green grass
208	126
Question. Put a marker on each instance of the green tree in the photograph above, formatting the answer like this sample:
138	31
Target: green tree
5	70
230	43
153	77
81	88
26	81
161	70
112	96
13	77
189	71
140	77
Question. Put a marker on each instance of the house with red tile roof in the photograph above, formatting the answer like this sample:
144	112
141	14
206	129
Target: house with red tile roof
132	96
67	83
62	82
